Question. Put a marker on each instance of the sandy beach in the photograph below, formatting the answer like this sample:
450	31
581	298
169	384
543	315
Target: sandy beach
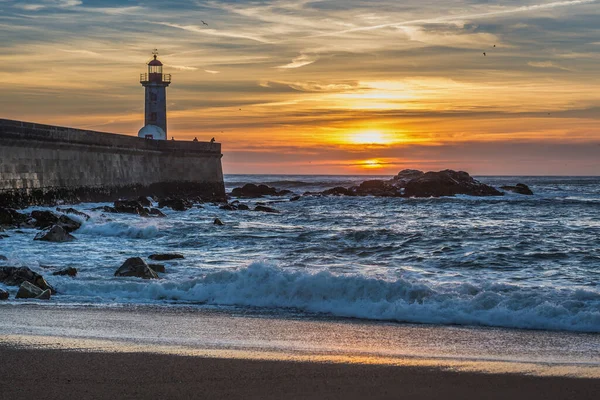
58	374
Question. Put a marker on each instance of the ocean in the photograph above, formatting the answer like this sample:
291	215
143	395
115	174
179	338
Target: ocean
529	262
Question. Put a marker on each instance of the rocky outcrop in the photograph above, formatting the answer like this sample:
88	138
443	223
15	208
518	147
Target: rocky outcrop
69	271
218	222
130	207
14	276
30	291
266	209
166	257
144	201
68	224
158	268
376	188
137	267
338	191
44	219
519	188
405	176
11	218
447	183
250	190
175	204
234	206
73	211
3	295
55	234
155	212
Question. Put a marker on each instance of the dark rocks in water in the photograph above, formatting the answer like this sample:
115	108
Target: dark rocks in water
12	218
158	268
137	267
3	236
73	211
55	234
251	190
234	206
44	219
266	209
166	257
175	203
3	295
156	213
376	187
30	291
447	183
295	198
69	271
406	175
3	258
130	207
339	191
106	209
14	276
144	201
218	222
68	224
519	188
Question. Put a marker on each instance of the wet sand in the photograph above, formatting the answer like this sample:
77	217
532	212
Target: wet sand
61	374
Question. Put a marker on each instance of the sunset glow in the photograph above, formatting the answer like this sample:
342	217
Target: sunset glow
310	87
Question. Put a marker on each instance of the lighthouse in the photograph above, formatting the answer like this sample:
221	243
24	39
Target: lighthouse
155	83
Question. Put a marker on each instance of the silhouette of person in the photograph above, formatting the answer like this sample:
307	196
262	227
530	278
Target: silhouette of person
195	139
212	140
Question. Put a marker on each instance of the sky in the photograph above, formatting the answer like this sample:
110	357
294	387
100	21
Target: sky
323	87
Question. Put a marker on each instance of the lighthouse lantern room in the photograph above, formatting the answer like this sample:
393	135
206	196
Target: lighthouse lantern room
155	83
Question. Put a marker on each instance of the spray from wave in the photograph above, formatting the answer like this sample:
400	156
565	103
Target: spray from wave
402	300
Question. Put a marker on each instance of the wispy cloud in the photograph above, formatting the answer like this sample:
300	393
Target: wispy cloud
546	64
300	61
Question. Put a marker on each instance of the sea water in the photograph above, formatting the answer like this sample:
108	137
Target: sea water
514	261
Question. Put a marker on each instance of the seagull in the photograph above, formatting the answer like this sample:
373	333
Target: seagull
484	53
494	45
204	23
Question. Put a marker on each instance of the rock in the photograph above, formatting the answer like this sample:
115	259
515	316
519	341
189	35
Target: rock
519	188
251	190
265	209
74	212
14	276
157	213
234	206
338	191
44	219
55	234
144	201
3	236
68	223
137	267
447	183
130	207
106	209
243	207
228	207
295	198
175	204
218	222
407	175
3	295
158	268
166	257
70	271
30	291
12	218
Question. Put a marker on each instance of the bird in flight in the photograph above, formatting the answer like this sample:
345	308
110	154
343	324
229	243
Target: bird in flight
494	45
204	23
484	53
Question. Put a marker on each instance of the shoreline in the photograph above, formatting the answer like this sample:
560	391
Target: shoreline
237	335
88	374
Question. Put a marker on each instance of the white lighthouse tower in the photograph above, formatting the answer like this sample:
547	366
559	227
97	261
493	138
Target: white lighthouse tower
156	84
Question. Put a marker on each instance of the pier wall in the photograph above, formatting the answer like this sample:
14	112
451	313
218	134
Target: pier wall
43	164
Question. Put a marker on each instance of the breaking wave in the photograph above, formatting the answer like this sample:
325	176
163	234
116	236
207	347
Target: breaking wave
402	300
119	229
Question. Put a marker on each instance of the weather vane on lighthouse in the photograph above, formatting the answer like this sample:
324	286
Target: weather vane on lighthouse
155	82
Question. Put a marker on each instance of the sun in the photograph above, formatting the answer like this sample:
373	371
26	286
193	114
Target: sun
369	137
371	164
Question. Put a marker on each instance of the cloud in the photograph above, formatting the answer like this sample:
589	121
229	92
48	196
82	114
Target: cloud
212	71
546	64
181	67
300	61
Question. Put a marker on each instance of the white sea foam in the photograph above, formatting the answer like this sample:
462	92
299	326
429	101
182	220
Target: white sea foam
120	229
263	285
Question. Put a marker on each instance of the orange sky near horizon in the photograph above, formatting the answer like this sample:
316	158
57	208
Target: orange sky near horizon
324	87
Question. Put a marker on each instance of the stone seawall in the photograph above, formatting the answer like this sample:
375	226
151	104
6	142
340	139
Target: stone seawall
42	164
